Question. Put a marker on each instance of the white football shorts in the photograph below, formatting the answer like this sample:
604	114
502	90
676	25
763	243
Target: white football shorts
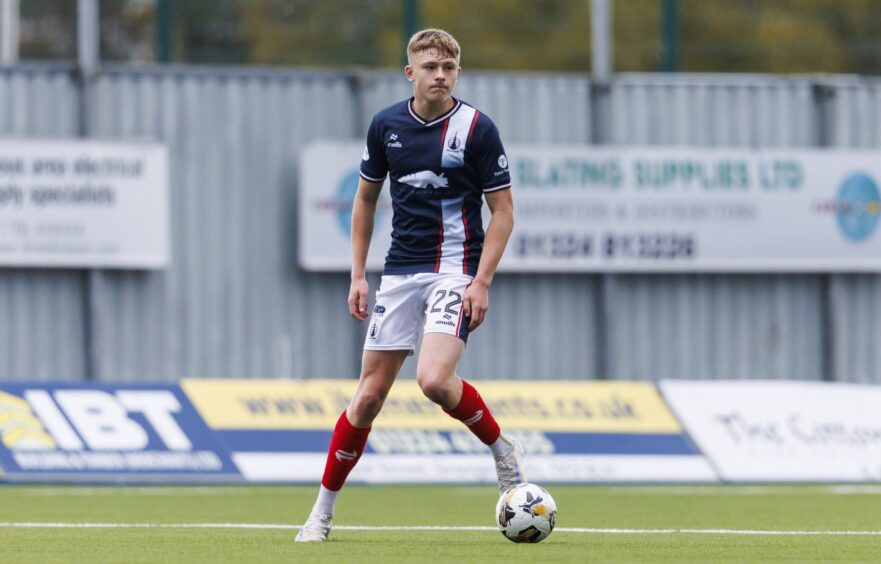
406	303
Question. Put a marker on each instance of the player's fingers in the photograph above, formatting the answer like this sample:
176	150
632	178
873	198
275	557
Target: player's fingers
474	324
477	318
362	304
466	306
353	306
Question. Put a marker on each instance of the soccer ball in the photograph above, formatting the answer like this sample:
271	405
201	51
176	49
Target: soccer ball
526	513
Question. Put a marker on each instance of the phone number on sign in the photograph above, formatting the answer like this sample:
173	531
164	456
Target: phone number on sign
572	245
662	246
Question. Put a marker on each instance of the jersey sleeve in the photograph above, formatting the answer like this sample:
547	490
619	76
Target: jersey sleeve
374	166
492	163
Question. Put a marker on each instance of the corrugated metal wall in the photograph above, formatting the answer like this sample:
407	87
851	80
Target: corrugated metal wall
41	311
235	304
855	121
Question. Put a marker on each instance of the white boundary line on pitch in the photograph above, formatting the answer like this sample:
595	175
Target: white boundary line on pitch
735	490
428	528
671	489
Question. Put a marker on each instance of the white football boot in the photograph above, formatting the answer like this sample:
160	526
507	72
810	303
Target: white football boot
510	467
316	528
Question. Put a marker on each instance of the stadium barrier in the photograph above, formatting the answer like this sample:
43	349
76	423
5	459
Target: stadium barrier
574	432
278	431
107	433
772	431
234	431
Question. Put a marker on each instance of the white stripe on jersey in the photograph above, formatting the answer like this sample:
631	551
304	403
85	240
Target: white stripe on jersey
456	137
453	245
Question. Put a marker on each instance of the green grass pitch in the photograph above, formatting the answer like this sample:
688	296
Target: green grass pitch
637	523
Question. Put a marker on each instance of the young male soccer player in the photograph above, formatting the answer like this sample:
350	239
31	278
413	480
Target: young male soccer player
443	158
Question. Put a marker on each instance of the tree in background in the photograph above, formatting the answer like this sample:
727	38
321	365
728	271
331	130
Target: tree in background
777	36
330	33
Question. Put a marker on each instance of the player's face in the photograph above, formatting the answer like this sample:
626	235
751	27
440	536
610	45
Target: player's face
433	74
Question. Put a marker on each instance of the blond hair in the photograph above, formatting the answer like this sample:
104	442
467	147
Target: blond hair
437	39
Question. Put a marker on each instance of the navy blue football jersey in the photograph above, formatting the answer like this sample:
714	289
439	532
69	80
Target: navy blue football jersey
439	171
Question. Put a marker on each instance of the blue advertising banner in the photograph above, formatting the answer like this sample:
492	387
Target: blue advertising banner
99	433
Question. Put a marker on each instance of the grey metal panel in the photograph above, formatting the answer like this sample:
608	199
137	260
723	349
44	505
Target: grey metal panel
856	114
540	326
716	326
713	110
856	324
233	303
41	310
856	298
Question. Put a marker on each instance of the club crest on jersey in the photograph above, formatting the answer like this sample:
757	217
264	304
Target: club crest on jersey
425	179
454	144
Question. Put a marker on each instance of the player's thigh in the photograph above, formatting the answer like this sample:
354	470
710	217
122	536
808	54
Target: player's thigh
438	358
380	368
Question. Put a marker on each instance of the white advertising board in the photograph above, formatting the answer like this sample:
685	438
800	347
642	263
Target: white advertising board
86	204
580	208
758	431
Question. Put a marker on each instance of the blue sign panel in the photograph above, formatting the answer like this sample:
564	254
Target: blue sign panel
75	432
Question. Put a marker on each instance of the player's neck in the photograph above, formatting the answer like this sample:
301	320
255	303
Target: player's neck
429	110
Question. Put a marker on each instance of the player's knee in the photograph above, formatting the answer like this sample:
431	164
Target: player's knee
435	386
366	406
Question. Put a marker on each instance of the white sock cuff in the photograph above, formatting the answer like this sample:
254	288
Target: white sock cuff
502	446
326	501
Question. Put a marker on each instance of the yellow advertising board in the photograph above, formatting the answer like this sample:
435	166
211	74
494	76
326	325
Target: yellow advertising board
562	406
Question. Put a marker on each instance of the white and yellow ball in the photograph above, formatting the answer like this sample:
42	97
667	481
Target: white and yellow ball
526	513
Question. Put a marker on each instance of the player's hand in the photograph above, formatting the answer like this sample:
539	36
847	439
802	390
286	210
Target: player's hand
358	299
475	302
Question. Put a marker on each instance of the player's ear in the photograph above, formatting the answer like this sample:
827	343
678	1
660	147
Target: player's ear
408	72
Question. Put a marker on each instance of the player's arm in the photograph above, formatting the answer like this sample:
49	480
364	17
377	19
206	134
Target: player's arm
476	299
363	214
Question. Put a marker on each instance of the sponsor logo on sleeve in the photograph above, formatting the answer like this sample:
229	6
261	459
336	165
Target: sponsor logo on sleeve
393	141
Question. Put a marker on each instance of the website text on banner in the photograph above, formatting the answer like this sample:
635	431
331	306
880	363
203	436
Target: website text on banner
641	209
105	433
84	204
573	431
757	431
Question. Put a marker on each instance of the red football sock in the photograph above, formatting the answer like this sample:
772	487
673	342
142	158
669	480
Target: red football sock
346	447
473	412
